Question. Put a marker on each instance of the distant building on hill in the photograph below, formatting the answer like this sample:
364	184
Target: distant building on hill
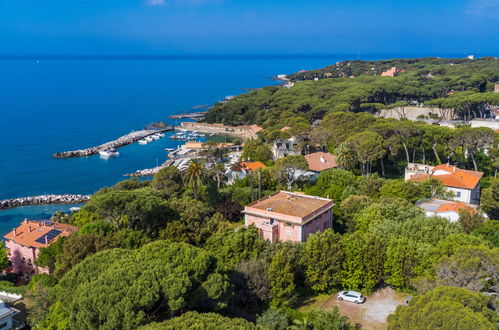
285	147
24	243
446	209
392	72
286	216
320	161
464	184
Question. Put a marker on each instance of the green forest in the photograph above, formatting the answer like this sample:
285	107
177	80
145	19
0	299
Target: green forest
356	86
173	253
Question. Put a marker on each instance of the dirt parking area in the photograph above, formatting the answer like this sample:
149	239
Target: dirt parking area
372	313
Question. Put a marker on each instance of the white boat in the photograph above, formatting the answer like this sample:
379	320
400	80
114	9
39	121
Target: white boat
74	209
169	149
109	153
148	138
143	141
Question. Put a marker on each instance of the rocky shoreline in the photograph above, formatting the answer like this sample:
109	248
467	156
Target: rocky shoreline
120	142
43	199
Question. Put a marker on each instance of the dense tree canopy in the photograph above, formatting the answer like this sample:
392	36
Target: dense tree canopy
122	289
197	321
445	308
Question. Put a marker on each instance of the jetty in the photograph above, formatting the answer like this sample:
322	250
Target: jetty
191	115
150	171
43	199
119	142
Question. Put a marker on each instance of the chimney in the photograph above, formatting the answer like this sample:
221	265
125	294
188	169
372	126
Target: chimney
15	232
46	240
39	223
454	169
30	229
26	221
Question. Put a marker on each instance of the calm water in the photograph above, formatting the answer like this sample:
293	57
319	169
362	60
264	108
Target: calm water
55	105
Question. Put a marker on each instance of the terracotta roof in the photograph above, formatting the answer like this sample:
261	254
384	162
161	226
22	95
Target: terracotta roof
29	231
440	205
290	204
456	177
320	161
253	165
454	206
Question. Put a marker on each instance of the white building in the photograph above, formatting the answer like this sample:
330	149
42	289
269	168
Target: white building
6	316
463	183
490	123
445	209
285	147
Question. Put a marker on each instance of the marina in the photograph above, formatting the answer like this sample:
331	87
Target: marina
109	149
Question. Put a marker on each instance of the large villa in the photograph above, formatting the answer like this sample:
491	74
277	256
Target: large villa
464	184
24	243
288	216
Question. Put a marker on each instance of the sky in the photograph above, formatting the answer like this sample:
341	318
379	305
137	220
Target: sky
166	27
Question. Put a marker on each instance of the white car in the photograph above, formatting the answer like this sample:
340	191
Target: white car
352	296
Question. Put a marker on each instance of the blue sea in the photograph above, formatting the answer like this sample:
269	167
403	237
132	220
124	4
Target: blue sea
56	104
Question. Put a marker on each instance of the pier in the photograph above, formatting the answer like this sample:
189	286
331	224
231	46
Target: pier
43	199
150	171
192	115
120	142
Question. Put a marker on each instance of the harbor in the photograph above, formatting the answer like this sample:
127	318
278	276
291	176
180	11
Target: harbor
108	149
43	199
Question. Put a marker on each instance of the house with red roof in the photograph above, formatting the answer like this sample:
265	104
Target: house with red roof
243	169
464	184
446	209
320	161
287	216
24	243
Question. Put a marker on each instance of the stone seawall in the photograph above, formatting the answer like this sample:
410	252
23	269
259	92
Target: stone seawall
120	142
43	199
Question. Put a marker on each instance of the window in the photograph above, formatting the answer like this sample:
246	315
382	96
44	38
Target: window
458	194
3	325
23	260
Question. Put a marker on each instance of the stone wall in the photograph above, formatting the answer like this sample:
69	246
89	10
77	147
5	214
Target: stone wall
412	113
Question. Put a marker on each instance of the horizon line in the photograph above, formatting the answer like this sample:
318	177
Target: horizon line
216	56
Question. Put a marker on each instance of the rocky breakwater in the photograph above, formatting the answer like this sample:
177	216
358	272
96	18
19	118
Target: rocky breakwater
120	142
43	199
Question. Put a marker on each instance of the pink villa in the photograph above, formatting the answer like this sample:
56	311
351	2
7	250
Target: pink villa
288	216
24	243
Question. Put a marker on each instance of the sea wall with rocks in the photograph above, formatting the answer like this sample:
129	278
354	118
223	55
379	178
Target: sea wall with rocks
43	199
119	142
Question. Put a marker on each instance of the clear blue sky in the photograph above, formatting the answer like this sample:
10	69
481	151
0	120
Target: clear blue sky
418	27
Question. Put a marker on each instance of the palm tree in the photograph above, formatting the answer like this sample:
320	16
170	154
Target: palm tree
194	175
345	156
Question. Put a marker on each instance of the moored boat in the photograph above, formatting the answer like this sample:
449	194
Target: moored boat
109	153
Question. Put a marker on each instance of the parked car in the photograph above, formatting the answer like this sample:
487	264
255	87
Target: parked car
352	296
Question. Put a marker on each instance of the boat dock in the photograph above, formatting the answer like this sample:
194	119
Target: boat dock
120	142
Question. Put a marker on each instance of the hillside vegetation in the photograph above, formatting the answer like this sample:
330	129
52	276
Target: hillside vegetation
357	86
